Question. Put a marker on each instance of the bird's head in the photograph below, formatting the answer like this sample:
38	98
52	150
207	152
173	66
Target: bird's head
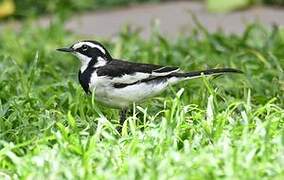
90	53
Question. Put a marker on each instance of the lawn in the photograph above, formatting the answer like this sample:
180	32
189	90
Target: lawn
230	127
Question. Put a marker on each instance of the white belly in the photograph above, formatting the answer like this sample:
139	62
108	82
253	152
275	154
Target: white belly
123	97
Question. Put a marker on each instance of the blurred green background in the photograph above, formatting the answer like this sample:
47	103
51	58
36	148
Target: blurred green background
27	8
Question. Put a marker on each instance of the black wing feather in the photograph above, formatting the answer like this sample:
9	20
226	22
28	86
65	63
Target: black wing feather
118	68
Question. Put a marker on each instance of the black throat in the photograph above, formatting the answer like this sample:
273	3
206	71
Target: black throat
85	77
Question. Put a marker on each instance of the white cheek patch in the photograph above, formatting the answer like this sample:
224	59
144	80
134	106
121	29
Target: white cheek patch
100	62
84	61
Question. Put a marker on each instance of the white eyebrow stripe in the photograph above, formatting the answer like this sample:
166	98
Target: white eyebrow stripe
80	44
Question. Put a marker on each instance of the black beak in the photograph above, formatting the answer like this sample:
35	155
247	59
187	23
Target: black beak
65	49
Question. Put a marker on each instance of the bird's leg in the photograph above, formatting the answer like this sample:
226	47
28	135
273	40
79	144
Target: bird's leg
122	116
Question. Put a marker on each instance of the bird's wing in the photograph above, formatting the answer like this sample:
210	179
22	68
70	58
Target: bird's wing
128	72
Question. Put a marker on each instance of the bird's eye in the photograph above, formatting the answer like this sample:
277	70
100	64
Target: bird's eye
84	47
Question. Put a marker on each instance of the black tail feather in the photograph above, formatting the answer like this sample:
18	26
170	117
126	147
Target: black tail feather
210	72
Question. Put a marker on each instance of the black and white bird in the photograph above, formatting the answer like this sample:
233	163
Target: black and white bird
118	83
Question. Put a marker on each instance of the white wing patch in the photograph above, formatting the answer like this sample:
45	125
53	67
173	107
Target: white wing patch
128	79
157	73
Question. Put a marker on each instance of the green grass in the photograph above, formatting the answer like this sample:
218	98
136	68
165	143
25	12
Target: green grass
231	127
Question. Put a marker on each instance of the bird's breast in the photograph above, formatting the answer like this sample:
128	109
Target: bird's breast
104	91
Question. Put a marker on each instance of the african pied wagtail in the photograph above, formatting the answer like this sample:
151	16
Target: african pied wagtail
117	83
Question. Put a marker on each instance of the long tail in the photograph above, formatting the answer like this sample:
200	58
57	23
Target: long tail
209	72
